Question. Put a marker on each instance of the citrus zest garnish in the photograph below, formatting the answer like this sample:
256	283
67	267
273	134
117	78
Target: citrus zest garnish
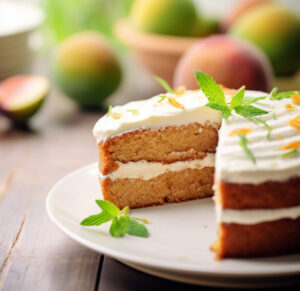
279	137
115	115
296	98
291	145
227	90
240	131
175	103
295	122
180	90
289	107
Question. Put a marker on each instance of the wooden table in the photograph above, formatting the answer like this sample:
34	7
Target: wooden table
34	254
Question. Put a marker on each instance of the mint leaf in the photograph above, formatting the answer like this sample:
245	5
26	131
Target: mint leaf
121	222
237	99
162	98
164	84
109	110
275	95
118	228
109	207
289	154
266	125
249	111
251	100
226	112
244	144
97	219
210	88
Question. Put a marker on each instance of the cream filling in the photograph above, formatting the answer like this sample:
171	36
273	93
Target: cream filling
254	216
148	170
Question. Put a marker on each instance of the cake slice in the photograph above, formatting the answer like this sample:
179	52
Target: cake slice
258	202
158	150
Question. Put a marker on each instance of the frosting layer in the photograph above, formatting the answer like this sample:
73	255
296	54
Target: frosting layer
156	112
148	170
233	165
254	216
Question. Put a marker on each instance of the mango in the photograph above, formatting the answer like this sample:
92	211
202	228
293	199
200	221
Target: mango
22	96
229	61
86	69
171	17
276	30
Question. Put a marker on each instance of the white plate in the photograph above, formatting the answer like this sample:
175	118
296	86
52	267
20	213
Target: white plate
179	241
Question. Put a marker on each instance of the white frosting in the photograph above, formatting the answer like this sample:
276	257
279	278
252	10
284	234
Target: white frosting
254	216
233	165
148	170
152	114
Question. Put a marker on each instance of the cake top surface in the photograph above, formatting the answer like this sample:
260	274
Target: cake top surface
156	112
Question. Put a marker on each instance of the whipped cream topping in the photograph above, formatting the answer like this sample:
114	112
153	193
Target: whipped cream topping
155	113
254	216
233	165
148	170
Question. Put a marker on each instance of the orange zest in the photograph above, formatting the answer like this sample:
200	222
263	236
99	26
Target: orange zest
228	91
116	115
291	145
175	103
289	107
279	137
296	98
180	90
240	131
295	122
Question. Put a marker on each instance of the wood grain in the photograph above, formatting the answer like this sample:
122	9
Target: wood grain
34	254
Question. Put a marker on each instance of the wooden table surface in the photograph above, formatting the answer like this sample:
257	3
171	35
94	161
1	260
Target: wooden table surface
34	254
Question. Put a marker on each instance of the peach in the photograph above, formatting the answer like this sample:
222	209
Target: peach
229	61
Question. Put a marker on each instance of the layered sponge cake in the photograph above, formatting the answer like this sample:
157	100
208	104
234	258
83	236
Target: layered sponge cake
158	150
164	149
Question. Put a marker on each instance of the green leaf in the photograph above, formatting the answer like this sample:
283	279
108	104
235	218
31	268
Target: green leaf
249	111
226	112
274	116
266	125
244	144
210	88
135	228
165	85
97	219
118	228
109	110
275	95
162	98
237	99
108	207
289	154
250	100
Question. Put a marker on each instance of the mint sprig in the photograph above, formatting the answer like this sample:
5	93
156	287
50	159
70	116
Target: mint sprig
121	223
164	84
217	101
275	95
244	144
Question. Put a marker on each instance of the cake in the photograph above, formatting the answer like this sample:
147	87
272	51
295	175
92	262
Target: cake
173	148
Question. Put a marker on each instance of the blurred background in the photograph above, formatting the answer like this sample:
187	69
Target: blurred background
83	55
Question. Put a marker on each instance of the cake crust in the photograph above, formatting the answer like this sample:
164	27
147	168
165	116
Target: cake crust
262	239
268	195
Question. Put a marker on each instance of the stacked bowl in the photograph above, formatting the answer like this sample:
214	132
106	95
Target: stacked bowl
18	21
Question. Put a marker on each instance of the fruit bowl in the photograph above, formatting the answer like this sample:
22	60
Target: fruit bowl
158	53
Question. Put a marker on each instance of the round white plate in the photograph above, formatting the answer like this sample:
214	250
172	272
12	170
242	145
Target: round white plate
179	241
